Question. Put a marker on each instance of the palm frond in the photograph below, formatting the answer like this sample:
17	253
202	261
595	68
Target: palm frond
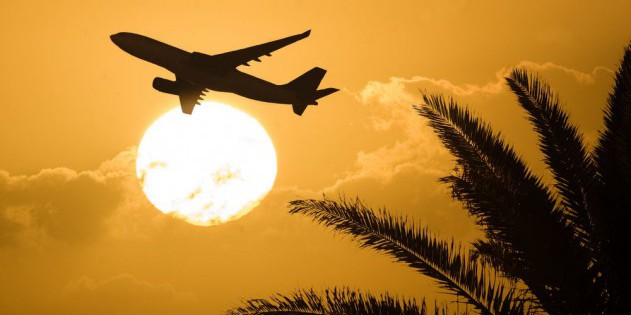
335	301
499	256
565	155
482	155
514	207
613	158
539	255
417	247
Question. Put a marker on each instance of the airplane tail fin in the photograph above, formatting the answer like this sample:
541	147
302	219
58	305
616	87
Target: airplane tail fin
306	88
308	82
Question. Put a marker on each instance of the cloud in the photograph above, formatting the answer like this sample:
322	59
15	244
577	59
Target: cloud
62	203
8	230
383	164
394	91
391	102
417	152
416	193
123	294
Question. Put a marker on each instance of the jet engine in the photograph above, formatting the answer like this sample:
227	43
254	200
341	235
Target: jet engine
166	86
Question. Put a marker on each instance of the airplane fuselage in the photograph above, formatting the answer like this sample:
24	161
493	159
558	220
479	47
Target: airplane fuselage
180	62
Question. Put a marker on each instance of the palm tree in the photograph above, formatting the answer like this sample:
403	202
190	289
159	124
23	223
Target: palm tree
556	249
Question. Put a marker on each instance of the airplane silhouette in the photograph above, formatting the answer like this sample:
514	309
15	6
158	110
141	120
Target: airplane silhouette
195	72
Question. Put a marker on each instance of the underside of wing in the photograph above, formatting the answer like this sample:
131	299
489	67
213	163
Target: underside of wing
243	56
190	95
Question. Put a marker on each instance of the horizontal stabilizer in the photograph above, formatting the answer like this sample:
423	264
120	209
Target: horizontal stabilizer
306	89
299	108
324	92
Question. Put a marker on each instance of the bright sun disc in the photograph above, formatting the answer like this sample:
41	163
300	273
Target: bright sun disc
206	168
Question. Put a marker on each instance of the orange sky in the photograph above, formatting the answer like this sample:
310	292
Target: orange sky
77	235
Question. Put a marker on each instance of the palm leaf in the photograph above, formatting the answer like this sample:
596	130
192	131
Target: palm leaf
417	247
336	301
499	256
513	206
563	149
613	158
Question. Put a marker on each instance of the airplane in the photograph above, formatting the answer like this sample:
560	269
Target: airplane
196	73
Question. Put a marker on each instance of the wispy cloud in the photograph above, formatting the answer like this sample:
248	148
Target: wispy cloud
392	91
123	294
390	107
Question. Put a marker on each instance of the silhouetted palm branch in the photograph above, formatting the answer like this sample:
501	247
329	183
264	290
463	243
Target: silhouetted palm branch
336	301
418	248
613	159
570	253
497	255
562	145
515	208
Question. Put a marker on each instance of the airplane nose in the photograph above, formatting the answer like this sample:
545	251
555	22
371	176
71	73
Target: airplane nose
115	37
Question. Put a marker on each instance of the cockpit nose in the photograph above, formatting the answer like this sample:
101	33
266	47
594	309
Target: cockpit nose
133	44
116	38
122	39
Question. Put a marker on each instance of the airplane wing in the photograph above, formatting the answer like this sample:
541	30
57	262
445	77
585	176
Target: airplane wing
239	57
190	95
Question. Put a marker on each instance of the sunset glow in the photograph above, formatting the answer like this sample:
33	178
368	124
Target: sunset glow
207	168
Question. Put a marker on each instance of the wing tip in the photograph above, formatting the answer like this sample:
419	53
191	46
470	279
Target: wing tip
187	110
307	33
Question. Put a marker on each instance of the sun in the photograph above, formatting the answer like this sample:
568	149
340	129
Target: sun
206	168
